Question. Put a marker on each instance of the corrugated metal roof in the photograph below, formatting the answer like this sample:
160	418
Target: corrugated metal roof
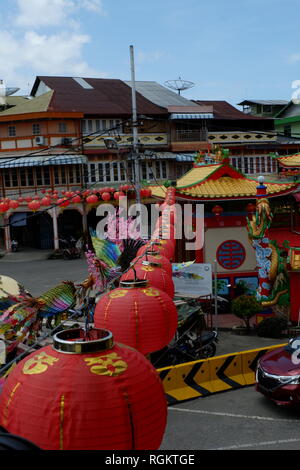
159	94
25	106
106	97
42	161
266	102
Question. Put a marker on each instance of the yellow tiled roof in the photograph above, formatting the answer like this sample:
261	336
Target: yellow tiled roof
195	175
224	187
290	160
230	187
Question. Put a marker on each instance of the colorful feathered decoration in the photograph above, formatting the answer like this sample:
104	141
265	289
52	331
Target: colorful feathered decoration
20	321
179	266
105	250
11	292
57	300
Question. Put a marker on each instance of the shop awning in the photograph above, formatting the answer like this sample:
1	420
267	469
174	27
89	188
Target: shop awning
20	162
192	116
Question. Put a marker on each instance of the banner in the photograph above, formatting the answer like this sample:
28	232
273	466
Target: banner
194	279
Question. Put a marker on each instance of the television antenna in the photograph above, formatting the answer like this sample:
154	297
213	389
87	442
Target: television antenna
179	84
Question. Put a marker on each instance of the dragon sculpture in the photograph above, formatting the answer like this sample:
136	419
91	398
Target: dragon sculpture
273	286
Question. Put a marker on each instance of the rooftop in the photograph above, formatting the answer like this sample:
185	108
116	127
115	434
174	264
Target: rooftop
221	182
264	102
94	96
224	110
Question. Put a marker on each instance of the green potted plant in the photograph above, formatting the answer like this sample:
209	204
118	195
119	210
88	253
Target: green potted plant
245	307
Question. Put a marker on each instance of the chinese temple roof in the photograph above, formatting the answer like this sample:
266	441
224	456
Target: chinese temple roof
290	161
220	181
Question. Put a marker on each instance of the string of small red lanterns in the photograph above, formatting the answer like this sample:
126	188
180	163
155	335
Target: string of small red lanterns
52	197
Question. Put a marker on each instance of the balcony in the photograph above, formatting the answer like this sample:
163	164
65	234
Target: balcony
241	137
188	140
147	139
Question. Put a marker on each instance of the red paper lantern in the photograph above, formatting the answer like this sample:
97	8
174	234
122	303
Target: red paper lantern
105	196
152	272
164	247
93	199
139	316
118	195
13	204
4	206
156	257
251	207
63	202
34	205
217	210
76	199
46	201
85	393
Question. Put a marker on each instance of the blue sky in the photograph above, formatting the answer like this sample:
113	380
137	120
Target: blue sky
231	49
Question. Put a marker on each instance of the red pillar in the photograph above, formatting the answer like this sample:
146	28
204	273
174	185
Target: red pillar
294	296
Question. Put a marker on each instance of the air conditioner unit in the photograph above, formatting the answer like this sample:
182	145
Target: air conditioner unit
66	141
39	140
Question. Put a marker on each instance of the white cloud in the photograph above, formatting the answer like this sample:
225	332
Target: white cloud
26	50
41	13
148	57
294	58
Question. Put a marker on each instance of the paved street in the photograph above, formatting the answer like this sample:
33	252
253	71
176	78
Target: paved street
234	420
40	275
239	419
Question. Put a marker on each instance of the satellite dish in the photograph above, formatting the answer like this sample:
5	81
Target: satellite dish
179	85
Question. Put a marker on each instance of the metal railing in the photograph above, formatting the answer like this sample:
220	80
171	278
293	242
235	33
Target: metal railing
190	135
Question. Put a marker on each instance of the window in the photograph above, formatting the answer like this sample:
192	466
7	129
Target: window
267	109
36	129
92	175
107	172
62	127
287	130
11	131
116	171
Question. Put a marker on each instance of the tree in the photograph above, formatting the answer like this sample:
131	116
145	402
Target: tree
245	307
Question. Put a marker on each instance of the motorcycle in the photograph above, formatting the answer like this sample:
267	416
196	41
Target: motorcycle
69	248
192	340
14	246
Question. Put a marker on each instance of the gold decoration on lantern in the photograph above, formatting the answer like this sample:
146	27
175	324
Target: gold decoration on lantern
110	364
38	364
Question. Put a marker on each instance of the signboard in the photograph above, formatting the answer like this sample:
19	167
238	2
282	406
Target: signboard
195	279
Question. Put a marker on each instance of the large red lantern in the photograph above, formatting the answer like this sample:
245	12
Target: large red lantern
156	257
85	393
164	247
139	315
152	272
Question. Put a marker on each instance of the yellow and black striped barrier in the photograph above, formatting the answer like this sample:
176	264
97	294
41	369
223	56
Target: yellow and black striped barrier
207	376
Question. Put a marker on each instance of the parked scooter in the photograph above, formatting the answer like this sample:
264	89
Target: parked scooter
191	343
69	248
14	246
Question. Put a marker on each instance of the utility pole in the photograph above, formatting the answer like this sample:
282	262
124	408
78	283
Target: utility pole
135	131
